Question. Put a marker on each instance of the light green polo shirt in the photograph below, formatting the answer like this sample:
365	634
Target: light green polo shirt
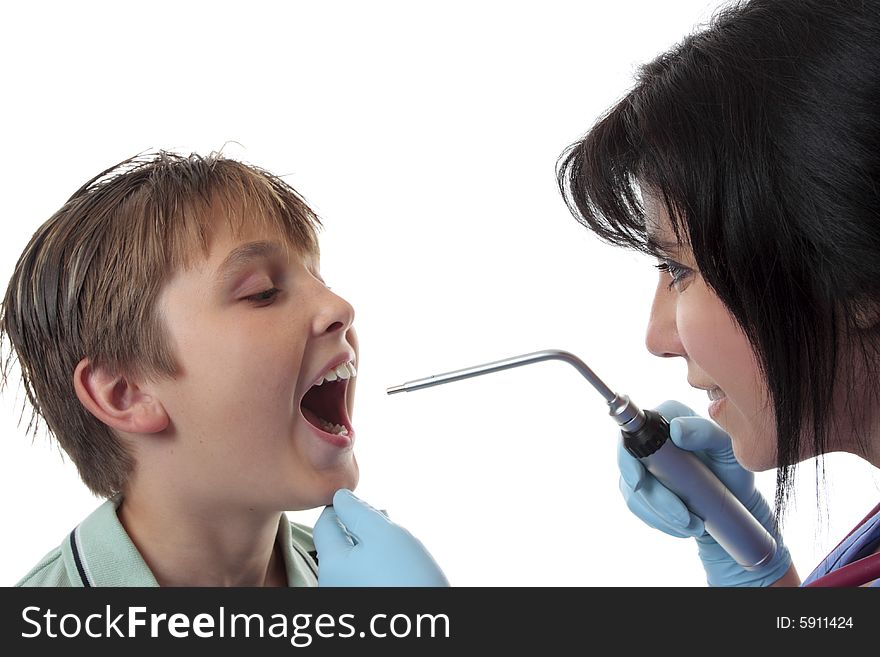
100	553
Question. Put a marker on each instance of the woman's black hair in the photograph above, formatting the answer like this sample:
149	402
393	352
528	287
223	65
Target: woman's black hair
761	133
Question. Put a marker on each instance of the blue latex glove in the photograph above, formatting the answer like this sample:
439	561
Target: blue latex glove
359	546
662	509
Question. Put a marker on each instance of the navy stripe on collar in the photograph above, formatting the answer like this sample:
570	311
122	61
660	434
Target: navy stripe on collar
78	560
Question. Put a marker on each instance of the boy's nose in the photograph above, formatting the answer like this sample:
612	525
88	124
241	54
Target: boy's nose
334	314
662	337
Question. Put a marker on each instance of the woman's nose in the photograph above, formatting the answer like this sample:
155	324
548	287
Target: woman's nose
662	335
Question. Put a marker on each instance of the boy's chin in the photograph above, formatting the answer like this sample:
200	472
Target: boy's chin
348	479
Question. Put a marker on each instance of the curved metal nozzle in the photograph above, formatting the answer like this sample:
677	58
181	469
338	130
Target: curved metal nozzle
621	408
506	364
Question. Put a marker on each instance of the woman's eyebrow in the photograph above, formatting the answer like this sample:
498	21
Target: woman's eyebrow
659	246
243	255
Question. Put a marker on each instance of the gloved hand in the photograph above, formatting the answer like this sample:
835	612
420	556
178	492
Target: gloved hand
662	509
359	546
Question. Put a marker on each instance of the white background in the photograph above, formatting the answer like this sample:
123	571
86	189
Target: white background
426	137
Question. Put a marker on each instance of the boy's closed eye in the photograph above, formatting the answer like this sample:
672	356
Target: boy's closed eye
263	298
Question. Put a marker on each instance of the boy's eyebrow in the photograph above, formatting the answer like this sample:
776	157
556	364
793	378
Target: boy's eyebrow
243	255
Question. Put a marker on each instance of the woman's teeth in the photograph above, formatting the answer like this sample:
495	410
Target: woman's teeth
343	371
715	394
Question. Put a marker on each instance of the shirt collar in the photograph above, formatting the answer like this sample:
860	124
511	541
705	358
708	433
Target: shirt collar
99	552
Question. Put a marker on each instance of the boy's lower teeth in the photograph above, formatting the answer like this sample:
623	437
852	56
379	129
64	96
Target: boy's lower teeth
338	429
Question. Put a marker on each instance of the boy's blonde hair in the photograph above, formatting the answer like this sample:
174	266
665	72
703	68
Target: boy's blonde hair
87	283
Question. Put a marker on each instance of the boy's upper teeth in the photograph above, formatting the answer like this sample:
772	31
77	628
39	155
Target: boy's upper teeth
344	370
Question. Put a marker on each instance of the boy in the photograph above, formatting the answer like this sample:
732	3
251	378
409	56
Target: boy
175	335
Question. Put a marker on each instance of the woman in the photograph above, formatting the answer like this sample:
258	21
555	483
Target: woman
747	161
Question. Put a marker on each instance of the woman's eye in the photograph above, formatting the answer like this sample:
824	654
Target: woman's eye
265	297
676	271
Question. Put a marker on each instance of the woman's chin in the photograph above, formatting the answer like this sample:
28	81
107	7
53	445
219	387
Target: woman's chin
751	457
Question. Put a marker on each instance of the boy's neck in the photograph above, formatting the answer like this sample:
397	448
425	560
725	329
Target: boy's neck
186	546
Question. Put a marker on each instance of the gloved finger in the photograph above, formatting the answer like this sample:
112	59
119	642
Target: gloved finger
668	507
643	512
671	408
699	434
360	519
713	447
631	469
330	536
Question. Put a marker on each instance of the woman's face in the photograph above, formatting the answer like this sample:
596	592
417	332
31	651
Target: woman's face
689	320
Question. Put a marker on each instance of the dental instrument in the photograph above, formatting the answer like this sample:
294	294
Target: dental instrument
646	436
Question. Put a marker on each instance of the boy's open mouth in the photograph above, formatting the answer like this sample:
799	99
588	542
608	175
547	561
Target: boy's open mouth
323	406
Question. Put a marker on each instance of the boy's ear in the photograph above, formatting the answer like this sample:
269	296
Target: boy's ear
118	402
